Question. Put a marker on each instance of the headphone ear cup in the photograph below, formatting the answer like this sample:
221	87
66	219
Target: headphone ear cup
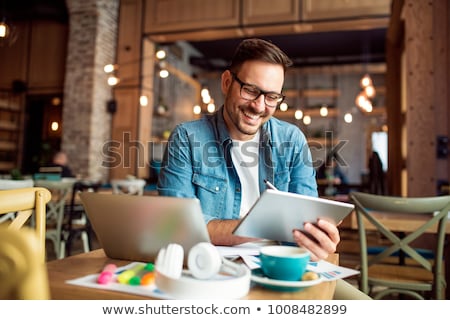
204	260
170	261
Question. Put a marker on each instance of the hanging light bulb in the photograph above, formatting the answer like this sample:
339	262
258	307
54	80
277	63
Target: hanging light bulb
197	109
323	110
113	80
367	106
110	68
348	118
307	120
361	98
211	107
365	81
160	54
143	101
8	34
298	114
283	106
163	73
370	91
206	98
4	29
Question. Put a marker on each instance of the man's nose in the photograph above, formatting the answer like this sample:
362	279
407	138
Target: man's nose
259	104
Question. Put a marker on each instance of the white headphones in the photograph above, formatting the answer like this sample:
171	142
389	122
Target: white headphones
209	275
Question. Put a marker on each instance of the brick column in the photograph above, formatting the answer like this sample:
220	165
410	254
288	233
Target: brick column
91	45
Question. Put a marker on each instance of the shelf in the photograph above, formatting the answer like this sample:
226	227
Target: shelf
312	93
7	146
377	111
7	165
7	125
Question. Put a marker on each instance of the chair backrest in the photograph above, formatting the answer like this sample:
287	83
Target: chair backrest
61	194
24	202
128	186
401	221
23	274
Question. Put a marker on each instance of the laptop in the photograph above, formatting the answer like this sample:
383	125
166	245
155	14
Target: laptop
135	228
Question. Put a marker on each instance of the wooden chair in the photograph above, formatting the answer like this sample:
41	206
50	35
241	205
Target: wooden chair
24	202
61	192
8	184
128	186
399	267
78	224
23	274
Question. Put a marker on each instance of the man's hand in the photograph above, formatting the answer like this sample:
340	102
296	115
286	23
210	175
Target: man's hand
221	233
322	240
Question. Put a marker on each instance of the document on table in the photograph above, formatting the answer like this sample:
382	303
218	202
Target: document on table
249	253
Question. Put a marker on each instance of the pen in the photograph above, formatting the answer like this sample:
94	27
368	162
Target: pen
106	274
269	185
143	277
125	276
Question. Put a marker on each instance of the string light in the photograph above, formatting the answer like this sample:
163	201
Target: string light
298	114
307	120
348	118
323	110
284	106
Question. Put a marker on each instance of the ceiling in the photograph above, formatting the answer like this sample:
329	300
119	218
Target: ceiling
305	49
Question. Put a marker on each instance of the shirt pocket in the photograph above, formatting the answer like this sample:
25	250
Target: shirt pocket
210	183
211	190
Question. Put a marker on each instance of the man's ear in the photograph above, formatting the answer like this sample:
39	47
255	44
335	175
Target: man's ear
226	81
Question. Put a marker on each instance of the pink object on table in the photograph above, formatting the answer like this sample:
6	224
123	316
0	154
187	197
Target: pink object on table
106	274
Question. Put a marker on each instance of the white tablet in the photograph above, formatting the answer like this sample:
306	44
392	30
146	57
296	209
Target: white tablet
277	213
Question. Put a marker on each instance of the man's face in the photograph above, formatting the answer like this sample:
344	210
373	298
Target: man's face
244	117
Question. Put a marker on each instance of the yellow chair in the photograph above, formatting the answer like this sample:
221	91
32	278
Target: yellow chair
399	266
23	274
26	201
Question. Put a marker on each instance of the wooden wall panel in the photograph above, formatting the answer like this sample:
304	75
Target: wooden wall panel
265	12
129	43
126	120
441	60
13	59
125	132
333	9
178	15
48	51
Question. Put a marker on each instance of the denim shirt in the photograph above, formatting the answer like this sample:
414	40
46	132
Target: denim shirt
197	164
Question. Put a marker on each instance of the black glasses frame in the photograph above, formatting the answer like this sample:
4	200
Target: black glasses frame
261	92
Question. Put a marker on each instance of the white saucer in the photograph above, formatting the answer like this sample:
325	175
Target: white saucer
281	285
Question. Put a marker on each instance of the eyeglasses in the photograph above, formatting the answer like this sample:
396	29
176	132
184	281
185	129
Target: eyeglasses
251	93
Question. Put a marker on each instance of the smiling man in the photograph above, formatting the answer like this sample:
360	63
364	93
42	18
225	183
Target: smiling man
224	158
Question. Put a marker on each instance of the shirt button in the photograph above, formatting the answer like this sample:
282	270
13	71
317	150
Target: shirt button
217	188
238	190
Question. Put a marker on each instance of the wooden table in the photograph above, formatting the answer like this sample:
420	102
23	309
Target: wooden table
398	222
93	262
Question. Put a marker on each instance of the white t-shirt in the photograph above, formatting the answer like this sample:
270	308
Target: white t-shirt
245	156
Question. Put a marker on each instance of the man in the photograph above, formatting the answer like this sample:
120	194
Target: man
61	160
223	159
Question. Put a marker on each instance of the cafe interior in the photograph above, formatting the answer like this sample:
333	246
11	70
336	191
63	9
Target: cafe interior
106	81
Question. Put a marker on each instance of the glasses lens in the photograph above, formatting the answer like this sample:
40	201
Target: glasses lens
273	99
